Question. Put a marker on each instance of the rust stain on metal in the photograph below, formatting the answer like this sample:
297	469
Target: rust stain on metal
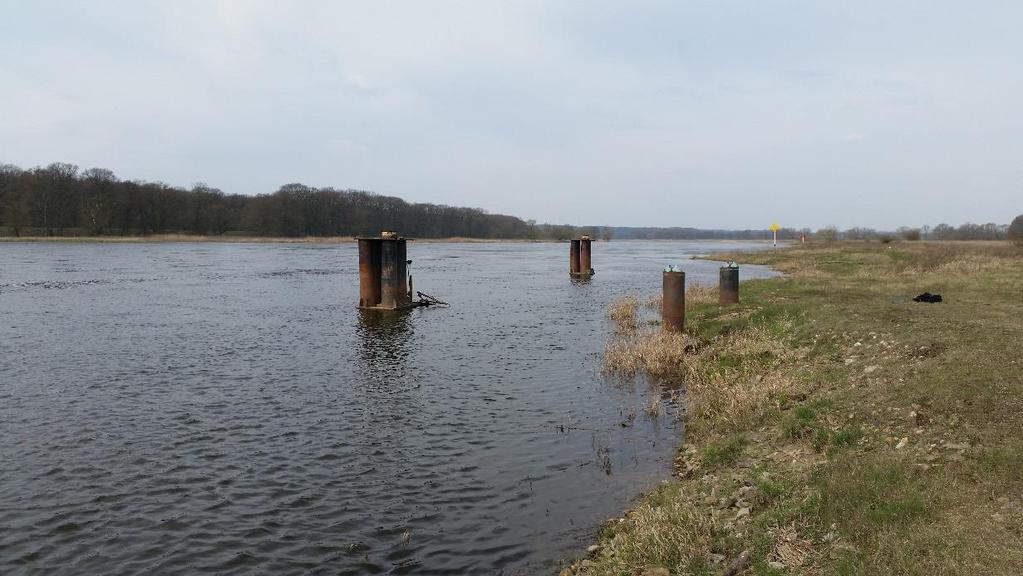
728	287
573	258
382	272
389	274
579	258
585	265
673	303
369	272
404	298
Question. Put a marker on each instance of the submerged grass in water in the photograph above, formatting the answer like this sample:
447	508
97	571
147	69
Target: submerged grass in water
623	313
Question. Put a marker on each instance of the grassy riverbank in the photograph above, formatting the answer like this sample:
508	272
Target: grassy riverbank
834	425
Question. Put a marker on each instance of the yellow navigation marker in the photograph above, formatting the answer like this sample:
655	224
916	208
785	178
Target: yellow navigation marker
774	229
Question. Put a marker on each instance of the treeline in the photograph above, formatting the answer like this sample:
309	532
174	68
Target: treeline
649	233
61	200
968	231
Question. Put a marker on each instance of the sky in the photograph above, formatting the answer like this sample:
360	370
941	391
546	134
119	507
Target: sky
710	114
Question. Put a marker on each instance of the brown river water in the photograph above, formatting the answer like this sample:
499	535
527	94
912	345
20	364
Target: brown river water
226	409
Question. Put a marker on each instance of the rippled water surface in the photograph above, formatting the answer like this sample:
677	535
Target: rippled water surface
224	408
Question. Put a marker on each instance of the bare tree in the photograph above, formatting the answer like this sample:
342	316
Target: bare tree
1015	232
97	199
827	234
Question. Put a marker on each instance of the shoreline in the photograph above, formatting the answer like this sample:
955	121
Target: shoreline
834	425
196	239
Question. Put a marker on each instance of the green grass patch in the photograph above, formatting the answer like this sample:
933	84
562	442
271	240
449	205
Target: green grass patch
723	452
846	436
1004	462
800	422
896	255
864	496
771	488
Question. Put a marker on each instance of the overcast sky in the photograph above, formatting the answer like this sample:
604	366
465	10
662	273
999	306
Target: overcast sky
646	113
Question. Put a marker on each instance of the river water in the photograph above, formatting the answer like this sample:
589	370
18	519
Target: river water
226	409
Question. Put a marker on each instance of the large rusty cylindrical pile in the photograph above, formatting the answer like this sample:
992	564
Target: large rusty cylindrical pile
382	272
673	302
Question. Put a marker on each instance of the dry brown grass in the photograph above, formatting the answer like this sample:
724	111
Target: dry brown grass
623	313
666	531
739	384
695	294
701	294
968	264
733	404
664	356
789	548
727	379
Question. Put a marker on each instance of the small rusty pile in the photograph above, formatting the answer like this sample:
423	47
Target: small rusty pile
579	261
386	284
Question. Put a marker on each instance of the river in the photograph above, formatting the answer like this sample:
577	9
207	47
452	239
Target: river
224	408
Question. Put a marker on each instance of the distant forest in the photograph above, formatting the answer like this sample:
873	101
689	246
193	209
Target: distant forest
61	200
968	231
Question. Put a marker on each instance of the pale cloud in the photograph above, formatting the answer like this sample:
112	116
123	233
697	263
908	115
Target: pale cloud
644	113
359	81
